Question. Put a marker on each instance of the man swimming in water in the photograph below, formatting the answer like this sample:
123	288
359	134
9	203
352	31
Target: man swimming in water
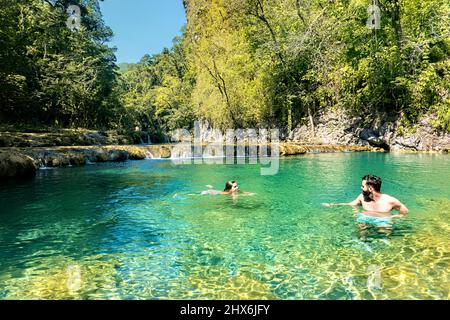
377	206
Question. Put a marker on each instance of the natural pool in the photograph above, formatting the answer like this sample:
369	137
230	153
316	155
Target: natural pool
117	231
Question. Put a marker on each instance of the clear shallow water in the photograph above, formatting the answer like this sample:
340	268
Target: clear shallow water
130	231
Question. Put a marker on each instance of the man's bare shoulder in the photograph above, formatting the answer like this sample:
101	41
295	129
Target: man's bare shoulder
390	199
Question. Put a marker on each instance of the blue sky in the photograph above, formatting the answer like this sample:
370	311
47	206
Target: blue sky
142	26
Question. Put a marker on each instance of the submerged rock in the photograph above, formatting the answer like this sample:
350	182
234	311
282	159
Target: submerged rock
16	165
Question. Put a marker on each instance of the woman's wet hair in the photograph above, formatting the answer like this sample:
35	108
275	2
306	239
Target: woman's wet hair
229	185
373	181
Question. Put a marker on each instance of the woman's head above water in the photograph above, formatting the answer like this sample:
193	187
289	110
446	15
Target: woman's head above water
231	186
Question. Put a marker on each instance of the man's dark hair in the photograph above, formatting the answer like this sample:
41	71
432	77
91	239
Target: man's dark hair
373	181
228	185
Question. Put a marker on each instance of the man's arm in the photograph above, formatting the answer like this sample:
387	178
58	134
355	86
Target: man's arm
354	203
397	205
357	201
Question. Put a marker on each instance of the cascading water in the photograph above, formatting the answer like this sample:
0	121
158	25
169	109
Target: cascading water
43	164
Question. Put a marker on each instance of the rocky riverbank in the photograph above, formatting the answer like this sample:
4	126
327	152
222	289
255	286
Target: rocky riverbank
340	128
65	137
21	154
12	160
23	162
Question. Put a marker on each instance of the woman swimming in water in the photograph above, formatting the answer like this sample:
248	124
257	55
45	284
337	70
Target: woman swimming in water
231	188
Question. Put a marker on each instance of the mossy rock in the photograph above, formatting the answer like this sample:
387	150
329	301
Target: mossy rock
58	160
360	148
6	141
65	137
290	149
99	155
165	152
135	153
14	164
77	159
117	155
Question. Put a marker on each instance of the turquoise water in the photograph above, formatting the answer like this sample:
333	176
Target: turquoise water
132	231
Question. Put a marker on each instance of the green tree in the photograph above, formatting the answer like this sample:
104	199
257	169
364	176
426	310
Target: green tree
52	75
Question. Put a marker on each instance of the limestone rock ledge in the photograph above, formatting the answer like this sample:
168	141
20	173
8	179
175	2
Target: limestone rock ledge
23	162
16	165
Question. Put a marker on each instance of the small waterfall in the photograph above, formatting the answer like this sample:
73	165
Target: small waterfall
181	154
207	153
187	151
218	151
145	140
43	164
181	151
149	155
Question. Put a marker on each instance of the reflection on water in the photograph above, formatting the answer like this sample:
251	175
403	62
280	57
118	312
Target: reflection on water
116	231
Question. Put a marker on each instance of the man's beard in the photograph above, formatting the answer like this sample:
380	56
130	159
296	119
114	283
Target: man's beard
366	195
